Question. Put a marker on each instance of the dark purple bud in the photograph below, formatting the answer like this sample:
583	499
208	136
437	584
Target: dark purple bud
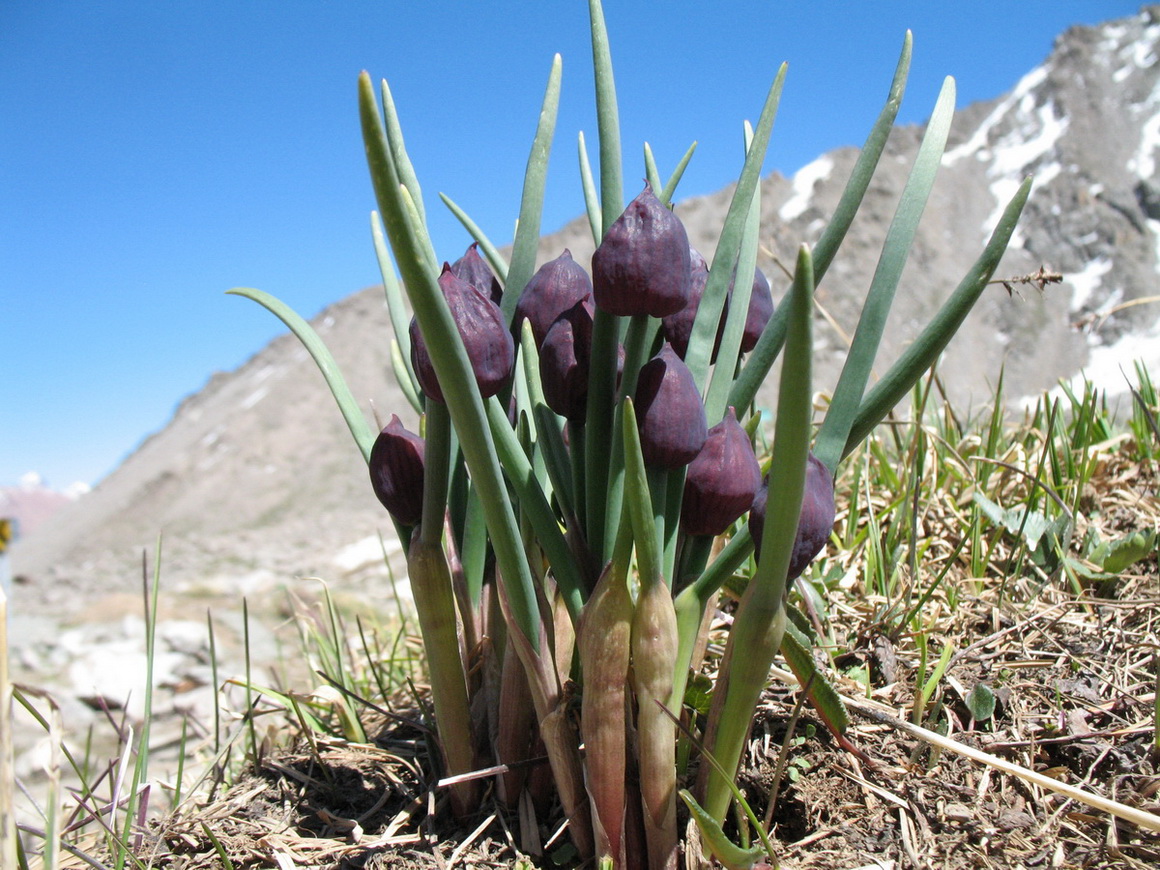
669	412
642	264
485	336
564	358
759	313
815	523
557	286
473	269
396	467
679	327
721	482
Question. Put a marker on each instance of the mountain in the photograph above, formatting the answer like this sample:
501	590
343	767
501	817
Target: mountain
256	476
32	502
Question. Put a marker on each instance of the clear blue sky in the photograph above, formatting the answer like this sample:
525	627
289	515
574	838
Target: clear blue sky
153	155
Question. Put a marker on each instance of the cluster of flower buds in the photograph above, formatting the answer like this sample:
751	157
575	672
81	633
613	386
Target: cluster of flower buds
644	265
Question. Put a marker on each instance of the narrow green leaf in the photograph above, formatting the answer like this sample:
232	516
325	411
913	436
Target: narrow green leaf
762	357
822	696
716	399
363	435
872	323
494	257
398	150
534	504
666	195
731	856
759	623
523	262
453	370
717	287
925	349
403	377
591	199
607	121
835	231
400	317
638	499
650	169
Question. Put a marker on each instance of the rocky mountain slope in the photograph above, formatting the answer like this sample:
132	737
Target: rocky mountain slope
256	477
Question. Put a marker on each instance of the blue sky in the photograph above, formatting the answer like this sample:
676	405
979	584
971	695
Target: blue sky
153	155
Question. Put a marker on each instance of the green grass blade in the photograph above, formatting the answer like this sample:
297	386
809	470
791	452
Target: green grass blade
364	437
666	195
591	199
704	333
856	372
607	121
523	263
399	365
490	251
453	370
925	349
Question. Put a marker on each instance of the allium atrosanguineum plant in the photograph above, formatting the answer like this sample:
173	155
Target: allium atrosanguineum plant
595	507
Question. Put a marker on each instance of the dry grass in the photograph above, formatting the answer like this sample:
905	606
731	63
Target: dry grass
1070	657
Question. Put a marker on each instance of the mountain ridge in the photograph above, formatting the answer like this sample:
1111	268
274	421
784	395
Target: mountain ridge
256	475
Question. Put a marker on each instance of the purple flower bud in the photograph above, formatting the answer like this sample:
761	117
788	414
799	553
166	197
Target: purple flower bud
642	264
484	332
473	269
759	313
815	523
679	327
721	482
396	467
669	411
564	357
557	286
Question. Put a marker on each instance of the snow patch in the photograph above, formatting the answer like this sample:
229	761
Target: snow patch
1142	164
1109	366
803	187
254	398
977	144
1085	283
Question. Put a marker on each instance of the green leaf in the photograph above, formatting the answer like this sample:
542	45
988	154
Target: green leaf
400	317
925	349
731	856
363	435
822	696
762	357
607	120
452	368
650	169
639	501
523	262
855	374
981	702
666	195
591	199
1117	555
729	244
